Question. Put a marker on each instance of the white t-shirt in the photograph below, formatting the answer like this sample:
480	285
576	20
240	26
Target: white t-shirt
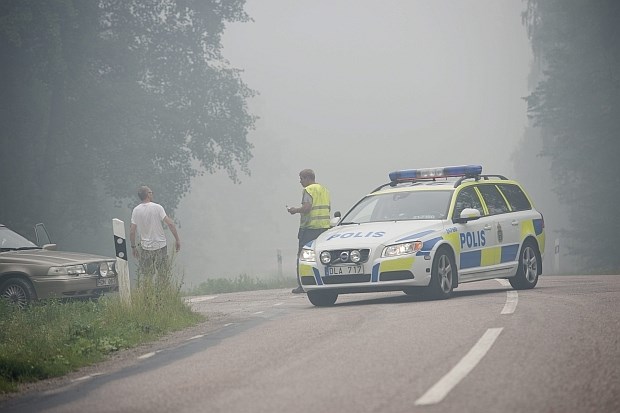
148	218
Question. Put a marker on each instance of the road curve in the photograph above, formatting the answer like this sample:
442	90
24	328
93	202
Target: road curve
555	348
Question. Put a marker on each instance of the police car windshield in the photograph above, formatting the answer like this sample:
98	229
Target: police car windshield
400	206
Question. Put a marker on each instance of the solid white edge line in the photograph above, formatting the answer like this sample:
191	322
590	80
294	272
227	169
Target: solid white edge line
512	299
441	389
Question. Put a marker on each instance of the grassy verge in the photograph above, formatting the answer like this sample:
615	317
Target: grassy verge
53	338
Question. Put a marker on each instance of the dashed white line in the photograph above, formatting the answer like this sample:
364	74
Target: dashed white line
201	299
512	299
258	312
441	389
195	337
147	355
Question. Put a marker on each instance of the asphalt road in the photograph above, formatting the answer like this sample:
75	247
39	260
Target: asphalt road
555	348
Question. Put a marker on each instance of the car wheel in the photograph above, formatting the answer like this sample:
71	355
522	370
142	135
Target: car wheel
322	298
528	269
17	291
443	274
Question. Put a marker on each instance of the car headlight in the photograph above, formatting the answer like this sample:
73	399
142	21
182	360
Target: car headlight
355	256
67	270
105	269
402	249
326	257
307	255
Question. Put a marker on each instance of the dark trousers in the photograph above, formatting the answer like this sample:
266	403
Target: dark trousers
305	235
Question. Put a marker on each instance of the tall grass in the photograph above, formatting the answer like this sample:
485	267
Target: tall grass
52	338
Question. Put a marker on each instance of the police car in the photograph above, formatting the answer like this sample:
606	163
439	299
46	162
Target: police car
426	231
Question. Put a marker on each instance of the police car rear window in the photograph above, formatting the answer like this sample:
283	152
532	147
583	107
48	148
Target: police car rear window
494	199
516	197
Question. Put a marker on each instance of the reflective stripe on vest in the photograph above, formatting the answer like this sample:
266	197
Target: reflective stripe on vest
319	214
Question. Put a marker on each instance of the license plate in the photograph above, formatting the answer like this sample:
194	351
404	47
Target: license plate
345	270
104	282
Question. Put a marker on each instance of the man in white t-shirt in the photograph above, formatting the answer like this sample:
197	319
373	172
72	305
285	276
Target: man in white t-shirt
146	219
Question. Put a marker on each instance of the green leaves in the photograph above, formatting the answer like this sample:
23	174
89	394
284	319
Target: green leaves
101	97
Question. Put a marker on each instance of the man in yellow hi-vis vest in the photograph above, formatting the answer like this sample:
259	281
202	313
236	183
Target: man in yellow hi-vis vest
314	211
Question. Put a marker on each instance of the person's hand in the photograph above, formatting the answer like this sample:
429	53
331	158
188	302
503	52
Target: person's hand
178	245
291	210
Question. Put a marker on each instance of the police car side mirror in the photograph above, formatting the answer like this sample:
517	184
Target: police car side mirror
336	219
468	214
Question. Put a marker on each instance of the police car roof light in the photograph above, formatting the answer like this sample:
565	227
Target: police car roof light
431	173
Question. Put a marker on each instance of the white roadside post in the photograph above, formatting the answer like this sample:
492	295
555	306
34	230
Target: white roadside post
556	256
122	267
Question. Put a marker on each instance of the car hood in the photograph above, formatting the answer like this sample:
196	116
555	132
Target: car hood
377	233
42	257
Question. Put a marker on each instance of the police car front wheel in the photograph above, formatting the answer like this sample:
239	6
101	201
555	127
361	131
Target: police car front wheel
443	274
322	298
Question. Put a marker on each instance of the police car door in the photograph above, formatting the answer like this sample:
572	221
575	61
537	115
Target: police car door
504	234
475	237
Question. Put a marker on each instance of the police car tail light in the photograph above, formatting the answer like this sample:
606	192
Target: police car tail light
326	257
402	249
307	255
430	173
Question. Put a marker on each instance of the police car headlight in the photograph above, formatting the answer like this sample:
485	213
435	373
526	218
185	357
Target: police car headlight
355	256
307	255
402	249
326	257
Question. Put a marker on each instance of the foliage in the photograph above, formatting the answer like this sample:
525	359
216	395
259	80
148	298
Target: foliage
54	338
101	96
243	282
576	104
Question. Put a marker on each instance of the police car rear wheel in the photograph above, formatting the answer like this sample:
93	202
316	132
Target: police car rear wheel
527	272
322	298
442	275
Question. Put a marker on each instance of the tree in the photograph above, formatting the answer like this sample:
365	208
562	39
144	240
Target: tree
101	96
576	105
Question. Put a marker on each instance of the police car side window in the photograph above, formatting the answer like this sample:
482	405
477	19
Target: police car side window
494	199
467	198
515	196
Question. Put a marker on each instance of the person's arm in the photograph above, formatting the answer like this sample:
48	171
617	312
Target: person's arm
174	231
132	239
303	209
306	205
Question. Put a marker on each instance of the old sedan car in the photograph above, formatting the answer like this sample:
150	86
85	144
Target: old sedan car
30	272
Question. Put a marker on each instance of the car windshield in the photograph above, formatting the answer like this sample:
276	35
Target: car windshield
400	206
10	240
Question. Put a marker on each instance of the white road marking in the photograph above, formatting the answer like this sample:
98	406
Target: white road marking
195	337
503	282
147	355
201	299
512	299
258	312
90	376
441	389
277	304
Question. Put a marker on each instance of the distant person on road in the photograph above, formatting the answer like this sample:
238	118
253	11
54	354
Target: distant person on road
146	219
314	211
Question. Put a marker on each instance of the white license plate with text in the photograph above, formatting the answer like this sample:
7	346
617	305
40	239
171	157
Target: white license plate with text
345	270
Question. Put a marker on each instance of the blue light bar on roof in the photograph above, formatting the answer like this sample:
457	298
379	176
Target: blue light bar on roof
429	173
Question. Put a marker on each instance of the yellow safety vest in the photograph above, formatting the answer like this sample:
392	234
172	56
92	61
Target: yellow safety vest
318	217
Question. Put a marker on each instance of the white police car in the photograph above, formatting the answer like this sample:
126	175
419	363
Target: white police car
428	230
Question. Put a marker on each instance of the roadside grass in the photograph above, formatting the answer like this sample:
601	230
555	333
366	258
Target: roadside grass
53	338
242	282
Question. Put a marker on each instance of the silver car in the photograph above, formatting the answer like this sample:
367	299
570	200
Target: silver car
29	272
